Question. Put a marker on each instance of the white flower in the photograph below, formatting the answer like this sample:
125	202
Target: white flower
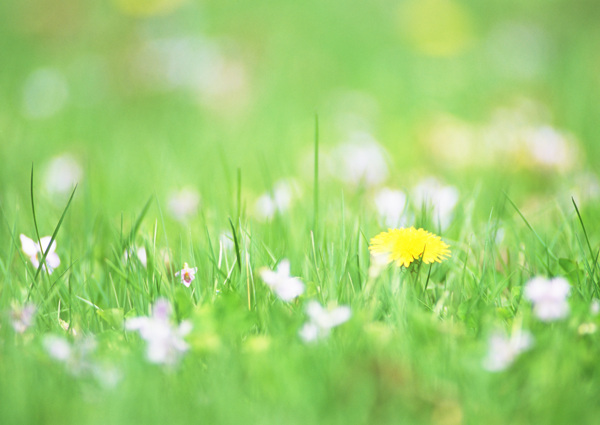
549	297
226	241
22	317
165	341
188	274
436	197
503	351
278	200
390	206
285	287
34	251
361	160
75	356
140	253
184	204
62	174
321	321
595	307
550	148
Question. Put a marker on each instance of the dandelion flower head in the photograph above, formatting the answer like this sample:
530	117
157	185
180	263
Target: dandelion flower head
405	245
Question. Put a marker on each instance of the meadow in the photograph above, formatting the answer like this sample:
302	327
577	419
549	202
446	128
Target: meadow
198	202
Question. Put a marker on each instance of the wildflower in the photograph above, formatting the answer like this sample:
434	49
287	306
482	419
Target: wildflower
285	286
390	206
22	317
595	307
34	251
165	341
440	199
184	204
549	297
405	245
321	321
75	356
503	351
278	200
62	174
188	274
140	253
587	328
361	160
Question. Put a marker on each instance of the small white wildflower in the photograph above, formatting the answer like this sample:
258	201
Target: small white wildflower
390	205
183	204
57	347
549	297
22	317
62	174
285	286
75	356
360	160
503	351
140	253
550	148
188	274
34	251
278	200
436	197
165	341
321	321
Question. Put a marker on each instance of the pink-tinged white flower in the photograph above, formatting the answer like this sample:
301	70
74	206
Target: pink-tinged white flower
62	174
360	160
285	286
188	274
437	198
549	297
22	317
140	253
503	351
321	321
390	206
165	341
183	204
34	251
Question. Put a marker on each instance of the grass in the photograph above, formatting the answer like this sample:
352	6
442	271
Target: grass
414	348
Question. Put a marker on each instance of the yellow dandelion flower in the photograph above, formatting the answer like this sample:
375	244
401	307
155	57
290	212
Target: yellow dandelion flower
403	246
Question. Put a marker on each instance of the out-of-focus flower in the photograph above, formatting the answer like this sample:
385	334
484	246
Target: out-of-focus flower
436	197
278	200
595	307
285	286
140	253
390	205
188	274
405	245
321	321
550	148
360	160
503	351
75	356
549	297
226	241
62	174
587	328
45	93
22	317
165	341
378	263
34	251
184	204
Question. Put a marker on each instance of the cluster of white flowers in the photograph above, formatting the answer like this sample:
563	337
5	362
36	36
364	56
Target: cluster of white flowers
165	341
22	317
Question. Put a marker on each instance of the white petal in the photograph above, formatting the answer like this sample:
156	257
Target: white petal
29	247
283	269
339	315
309	332
268	276
289	289
45	241
52	260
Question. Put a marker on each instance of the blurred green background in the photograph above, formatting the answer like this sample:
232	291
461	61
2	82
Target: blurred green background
160	94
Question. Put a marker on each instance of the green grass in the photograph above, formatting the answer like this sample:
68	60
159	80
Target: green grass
413	350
